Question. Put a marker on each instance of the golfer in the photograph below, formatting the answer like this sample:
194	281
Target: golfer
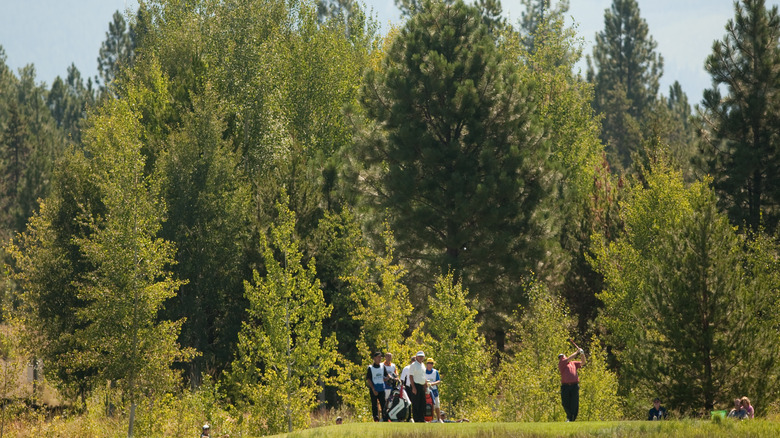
417	382
570	383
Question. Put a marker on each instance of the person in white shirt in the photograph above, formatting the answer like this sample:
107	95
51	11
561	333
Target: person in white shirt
390	369
417	382
407	392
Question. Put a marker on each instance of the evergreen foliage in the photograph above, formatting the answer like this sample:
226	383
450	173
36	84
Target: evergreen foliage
739	128
458	165
625	73
391	194
681	305
209	201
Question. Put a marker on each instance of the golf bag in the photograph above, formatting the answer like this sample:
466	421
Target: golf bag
428	405
397	407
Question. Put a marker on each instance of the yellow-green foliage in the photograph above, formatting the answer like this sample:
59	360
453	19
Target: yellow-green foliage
282	355
460	351
529	382
598	388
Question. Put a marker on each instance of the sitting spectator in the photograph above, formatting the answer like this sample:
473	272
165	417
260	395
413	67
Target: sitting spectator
339	420
444	419
738	411
747	407
657	412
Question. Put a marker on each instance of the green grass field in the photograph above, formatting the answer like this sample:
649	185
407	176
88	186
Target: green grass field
683	428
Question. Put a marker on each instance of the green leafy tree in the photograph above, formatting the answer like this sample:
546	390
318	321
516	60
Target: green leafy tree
684	312
535	14
669	131
46	261
382	301
382	310
456	165
529	370
584	191
455	331
342	254
625	73
209	205
738	128
282	356
120	333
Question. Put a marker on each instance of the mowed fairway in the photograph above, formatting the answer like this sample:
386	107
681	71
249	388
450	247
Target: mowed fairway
683	428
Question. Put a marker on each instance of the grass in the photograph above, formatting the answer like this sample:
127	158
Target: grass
683	428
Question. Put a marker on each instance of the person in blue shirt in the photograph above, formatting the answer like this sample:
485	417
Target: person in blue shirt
432	378
375	380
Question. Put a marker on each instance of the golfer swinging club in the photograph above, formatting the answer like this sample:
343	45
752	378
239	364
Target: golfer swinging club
570	382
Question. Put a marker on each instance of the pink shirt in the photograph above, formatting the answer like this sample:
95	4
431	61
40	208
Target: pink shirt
568	370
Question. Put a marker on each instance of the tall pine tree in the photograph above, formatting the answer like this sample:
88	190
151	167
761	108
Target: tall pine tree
687	303
739	128
625	70
457	167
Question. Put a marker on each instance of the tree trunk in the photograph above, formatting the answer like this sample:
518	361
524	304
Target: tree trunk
132	420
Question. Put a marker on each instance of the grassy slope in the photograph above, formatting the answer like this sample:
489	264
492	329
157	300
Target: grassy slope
685	428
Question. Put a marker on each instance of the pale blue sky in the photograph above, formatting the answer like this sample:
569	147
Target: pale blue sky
52	34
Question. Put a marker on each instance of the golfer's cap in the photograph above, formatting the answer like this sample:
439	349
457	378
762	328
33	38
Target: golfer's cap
560	355
206	426
430	360
420	353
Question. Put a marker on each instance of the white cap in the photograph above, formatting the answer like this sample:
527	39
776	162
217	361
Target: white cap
206	426
420	353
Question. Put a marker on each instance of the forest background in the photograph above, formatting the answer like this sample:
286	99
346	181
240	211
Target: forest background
252	196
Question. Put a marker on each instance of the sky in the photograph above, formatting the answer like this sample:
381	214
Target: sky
52	34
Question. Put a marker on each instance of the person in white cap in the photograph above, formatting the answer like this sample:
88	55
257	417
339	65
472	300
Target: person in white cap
205	431
417	380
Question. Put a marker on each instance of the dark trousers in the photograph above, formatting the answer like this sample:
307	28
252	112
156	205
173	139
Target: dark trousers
570	399
408	391
418	404
380	396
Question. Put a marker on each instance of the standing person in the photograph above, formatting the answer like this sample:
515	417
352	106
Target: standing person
375	379
417	382
657	412
745	402
432	378
407	386
390	368
570	383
